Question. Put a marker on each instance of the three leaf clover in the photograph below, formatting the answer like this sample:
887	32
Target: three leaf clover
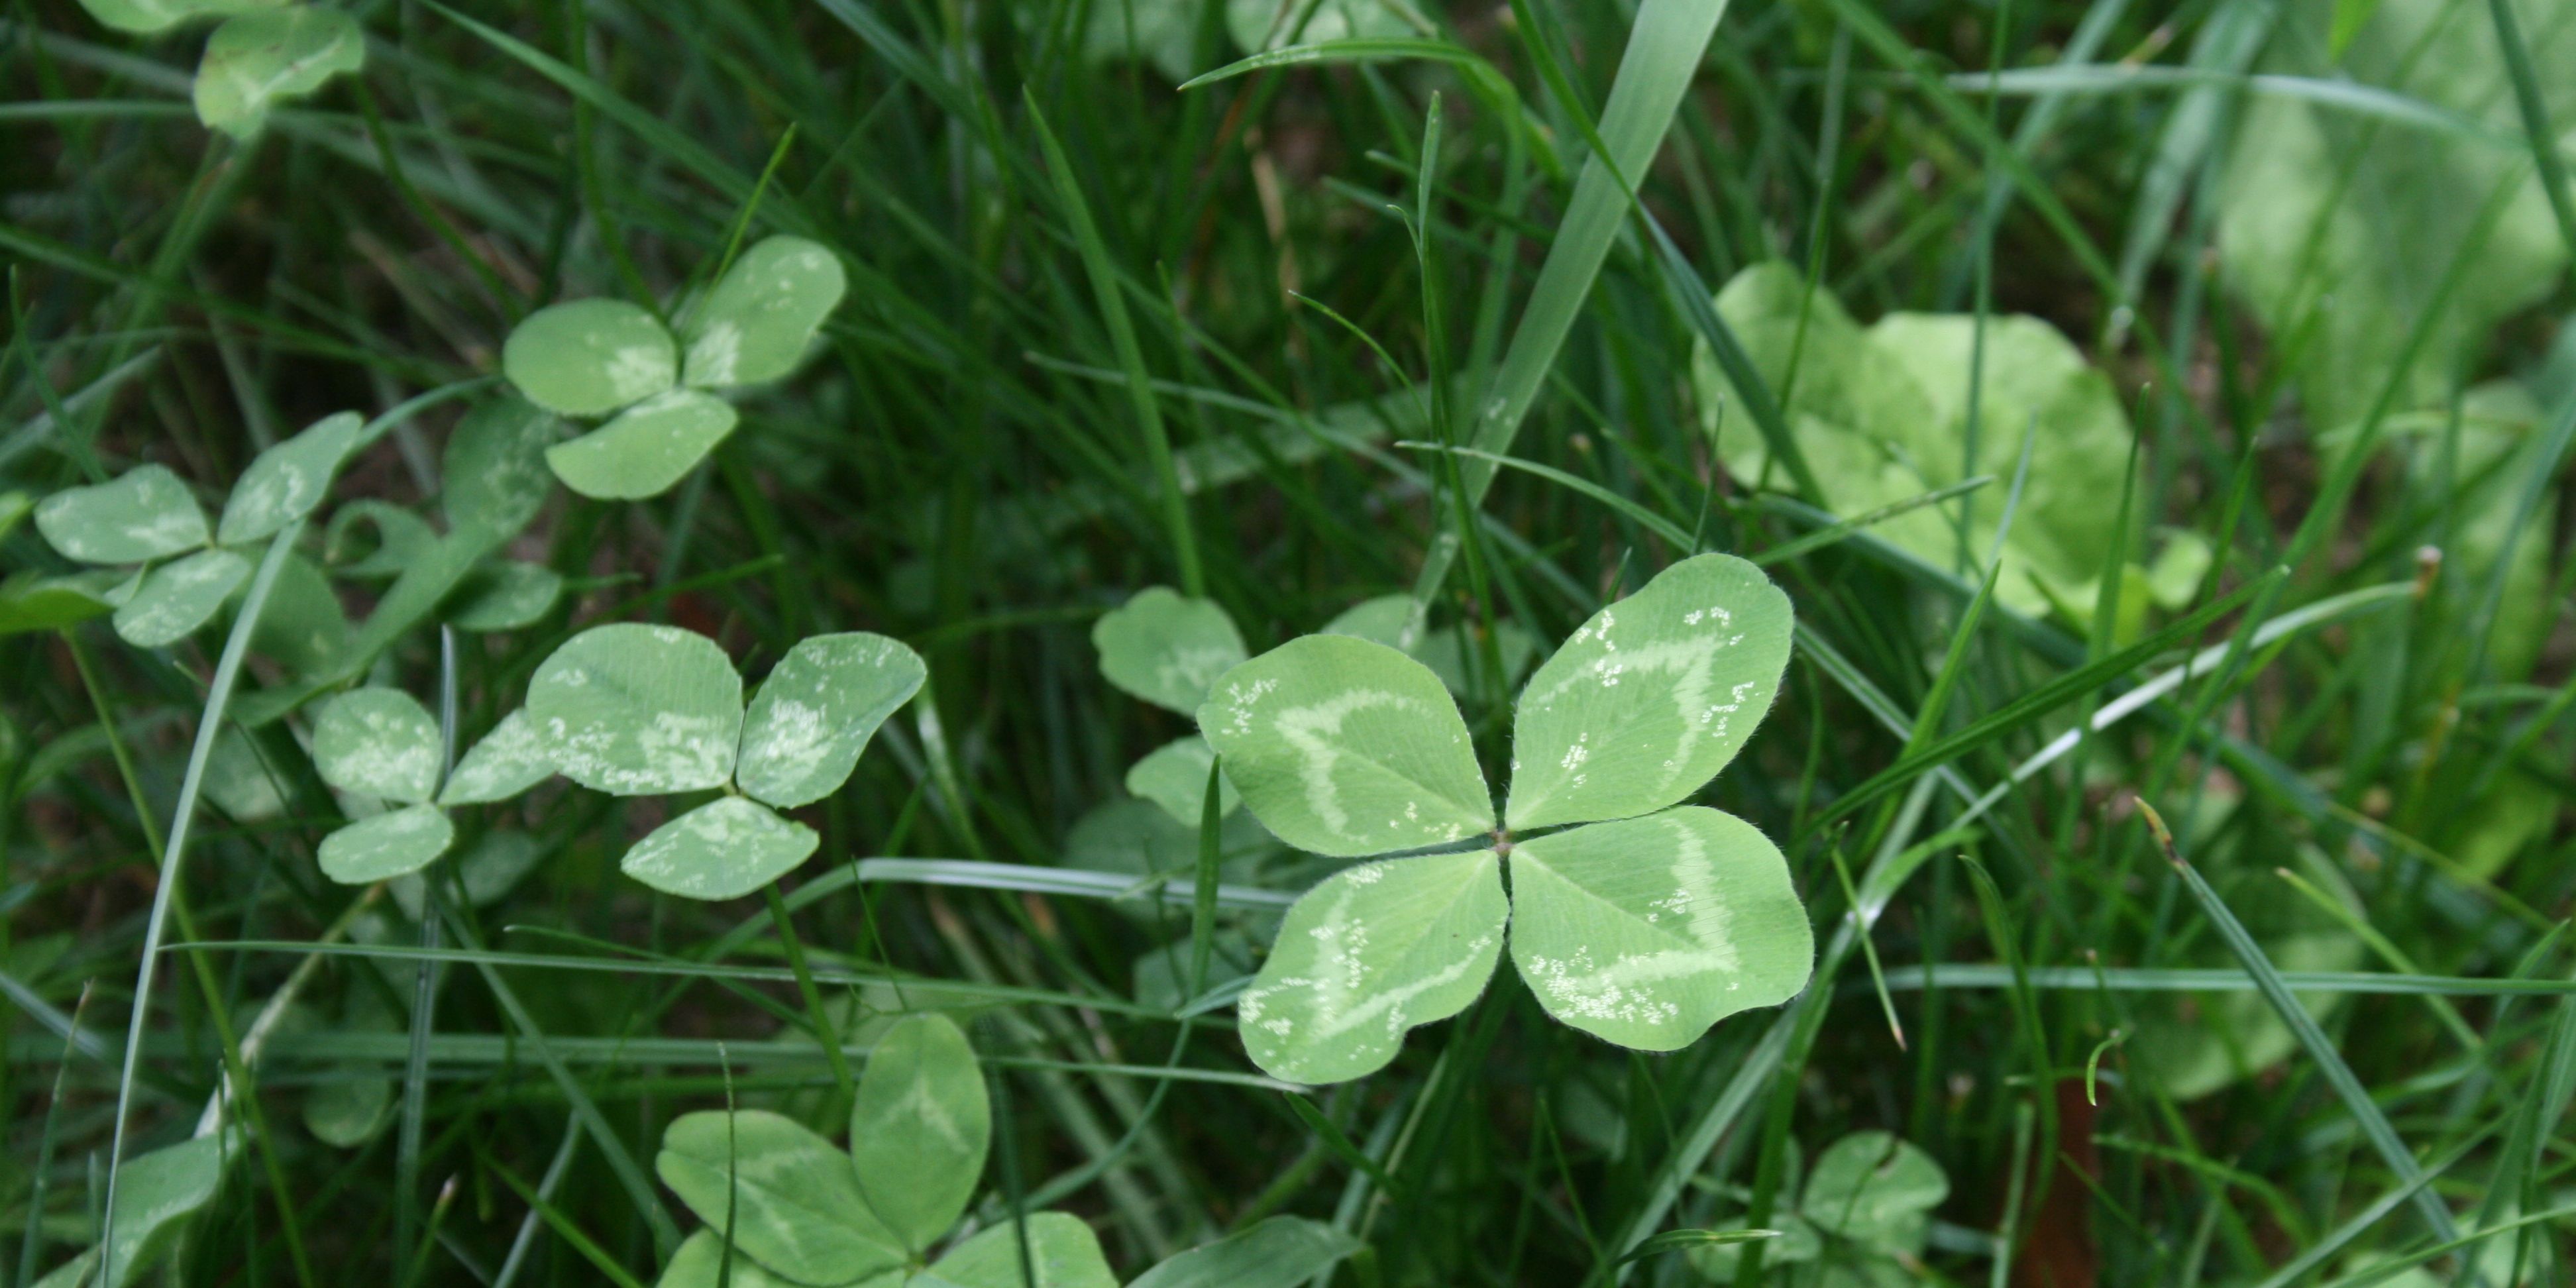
636	710
265	51
610	358
1644	925
383	744
803	1212
1865	1212
156	1194
148	519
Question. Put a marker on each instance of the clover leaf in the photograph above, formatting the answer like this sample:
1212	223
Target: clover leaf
1881	414
614	359
156	1194
636	710
383	744
255	59
1865	1212
802	1212
149	520
1448	650
1645	926
1166	647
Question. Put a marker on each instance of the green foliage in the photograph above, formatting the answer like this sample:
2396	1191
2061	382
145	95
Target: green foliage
591	358
1347	747
636	710
1861	1220
148	517
156	1193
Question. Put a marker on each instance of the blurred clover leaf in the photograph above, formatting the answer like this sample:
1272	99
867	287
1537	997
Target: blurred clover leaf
614	359
148	520
257	58
264	51
156	1194
1861	1221
1166	648
802	1212
1644	926
638	710
382	745
1881	414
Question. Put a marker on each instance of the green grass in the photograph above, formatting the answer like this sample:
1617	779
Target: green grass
1290	339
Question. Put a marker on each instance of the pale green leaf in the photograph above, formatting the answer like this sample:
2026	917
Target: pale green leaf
285	482
755	324
303	625
1386	619
1651	697
1259	25
143	17
1367	954
155	1195
723	849
256	59
351	1108
15	505
1175	777
637	710
1165	648
1063	1253
1140	838
589	357
1456	656
1161	32
495	865
646	449
145	513
504	595
919	1128
509	760
816	712
387	846
1390	620
239	782
180	596
1281	1252
29	602
399	537
1875	1189
1345	747
1647	931
793	1200
700	1263
378	742
1797	1241
494	473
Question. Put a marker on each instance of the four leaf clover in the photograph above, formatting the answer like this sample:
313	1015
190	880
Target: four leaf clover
1642	922
148	519
638	710
802	1212
614	359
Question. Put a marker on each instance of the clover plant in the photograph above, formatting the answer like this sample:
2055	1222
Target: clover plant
637	710
264	51
147	519
382	744
156	1194
1881	415
1861	1220
803	1212
1638	920
614	359
1165	33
